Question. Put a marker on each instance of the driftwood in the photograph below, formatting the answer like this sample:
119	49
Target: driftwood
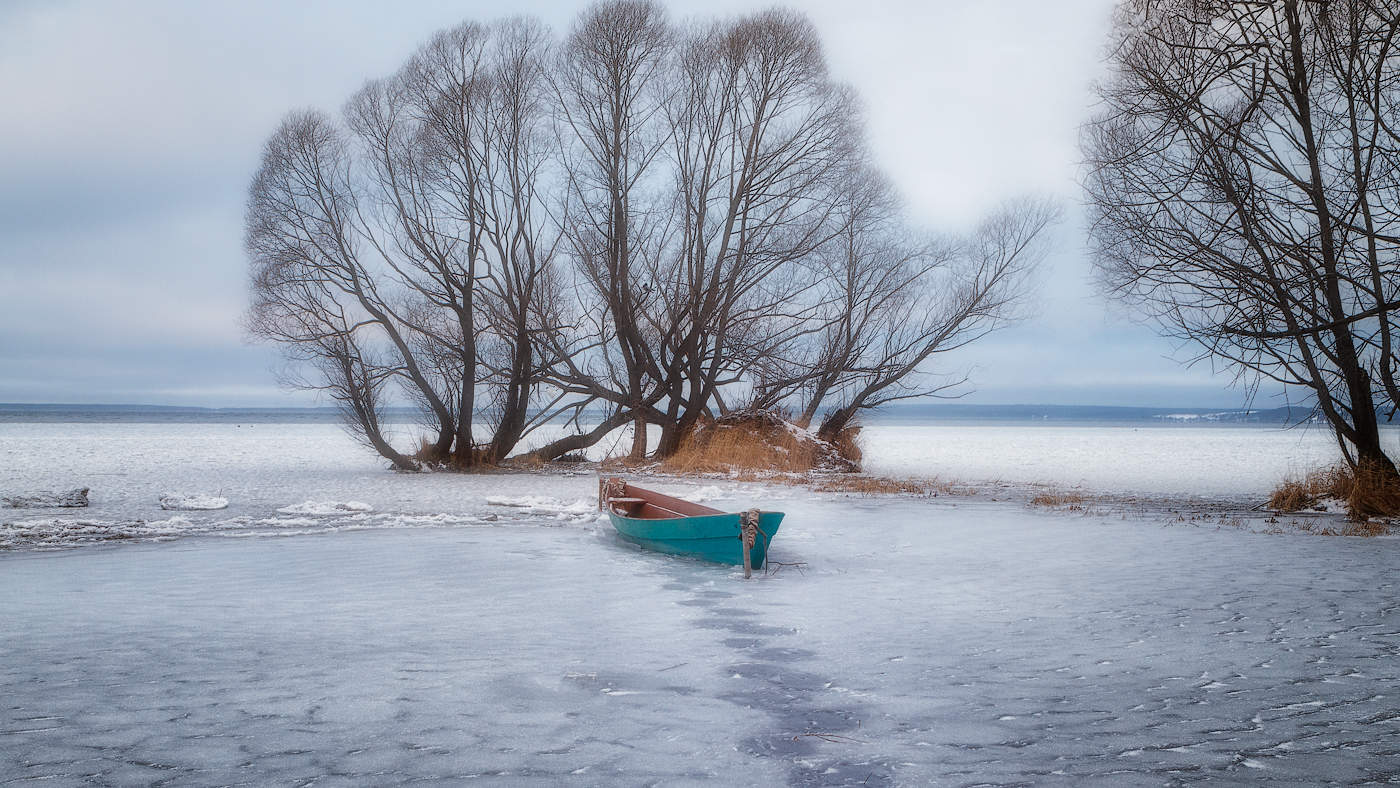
773	567
70	499
831	737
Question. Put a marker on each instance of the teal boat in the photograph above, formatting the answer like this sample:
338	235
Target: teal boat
671	525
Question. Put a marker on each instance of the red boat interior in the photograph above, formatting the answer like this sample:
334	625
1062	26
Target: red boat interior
647	505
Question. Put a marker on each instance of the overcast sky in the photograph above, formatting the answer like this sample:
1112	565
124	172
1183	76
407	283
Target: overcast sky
131	131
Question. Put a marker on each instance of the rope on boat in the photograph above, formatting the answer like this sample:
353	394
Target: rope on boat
609	489
748	533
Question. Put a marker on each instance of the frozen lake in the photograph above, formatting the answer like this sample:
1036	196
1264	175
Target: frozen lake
923	643
1217	461
340	624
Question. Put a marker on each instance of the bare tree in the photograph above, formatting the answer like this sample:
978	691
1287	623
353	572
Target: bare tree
913	300
760	135
609	82
632	226
479	112
311	290
862	272
1243	191
440	236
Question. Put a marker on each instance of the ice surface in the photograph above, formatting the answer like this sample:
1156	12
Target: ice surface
1210	461
443	634
921	642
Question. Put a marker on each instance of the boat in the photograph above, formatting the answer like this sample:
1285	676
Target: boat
671	525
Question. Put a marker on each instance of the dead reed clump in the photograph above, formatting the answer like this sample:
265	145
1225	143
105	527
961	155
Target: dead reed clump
1367	490
755	442
528	461
1372	492
847	444
1059	500
426	451
1366	528
721	448
873	485
1292	495
1295	495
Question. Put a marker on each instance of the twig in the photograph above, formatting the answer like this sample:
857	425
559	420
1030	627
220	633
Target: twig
798	565
834	738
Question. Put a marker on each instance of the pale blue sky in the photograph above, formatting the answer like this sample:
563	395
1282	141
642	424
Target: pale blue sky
132	129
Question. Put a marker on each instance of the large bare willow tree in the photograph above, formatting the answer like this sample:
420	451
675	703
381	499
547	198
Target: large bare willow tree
1244	188
642	223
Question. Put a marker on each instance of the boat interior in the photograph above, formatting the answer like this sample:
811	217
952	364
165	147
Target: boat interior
647	505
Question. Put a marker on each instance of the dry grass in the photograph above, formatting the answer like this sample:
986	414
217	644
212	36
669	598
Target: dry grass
527	461
873	485
847	444
760	443
1295	495
1365	528
1373	492
1059	500
1368	491
425	451
729	447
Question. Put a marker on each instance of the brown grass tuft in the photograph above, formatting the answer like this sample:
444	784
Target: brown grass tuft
1292	495
756	442
1064	500
425	451
1369	491
726	447
847	444
1373	492
1295	495
527	461
873	485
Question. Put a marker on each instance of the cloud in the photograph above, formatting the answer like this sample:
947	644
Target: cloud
135	127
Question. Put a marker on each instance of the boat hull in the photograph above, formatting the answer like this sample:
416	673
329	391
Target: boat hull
712	537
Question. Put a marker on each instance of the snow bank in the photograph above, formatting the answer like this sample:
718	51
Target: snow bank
53	532
707	493
68	499
193	502
326	507
580	510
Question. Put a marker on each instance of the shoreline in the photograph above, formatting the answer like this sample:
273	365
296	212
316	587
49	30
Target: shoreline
561	503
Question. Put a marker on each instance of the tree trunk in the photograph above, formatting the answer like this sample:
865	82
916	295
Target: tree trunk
639	419
1366	427
570	443
639	438
675	431
401	463
442	449
517	400
834	422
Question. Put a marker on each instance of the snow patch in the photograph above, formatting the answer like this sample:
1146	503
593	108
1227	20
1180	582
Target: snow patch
67	499
540	506
193	502
323	508
708	493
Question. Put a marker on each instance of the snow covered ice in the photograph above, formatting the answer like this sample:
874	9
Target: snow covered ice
193	502
446	627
